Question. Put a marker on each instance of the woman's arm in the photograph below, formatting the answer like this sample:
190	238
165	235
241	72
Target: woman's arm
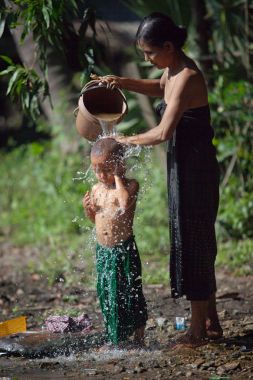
149	87
176	106
163	131
158	134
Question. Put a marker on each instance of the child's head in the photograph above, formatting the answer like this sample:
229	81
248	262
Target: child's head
107	159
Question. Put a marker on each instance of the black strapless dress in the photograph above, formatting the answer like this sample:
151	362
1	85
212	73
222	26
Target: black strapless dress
193	197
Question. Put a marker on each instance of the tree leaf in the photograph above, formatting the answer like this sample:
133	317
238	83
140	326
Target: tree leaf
46	16
7	59
2	25
27	100
9	70
13	80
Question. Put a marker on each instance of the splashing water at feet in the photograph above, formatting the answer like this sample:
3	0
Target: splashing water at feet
138	161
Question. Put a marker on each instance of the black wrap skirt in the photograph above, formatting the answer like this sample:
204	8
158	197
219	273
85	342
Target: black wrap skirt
193	199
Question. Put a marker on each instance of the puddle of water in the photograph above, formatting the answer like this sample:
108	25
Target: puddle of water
118	354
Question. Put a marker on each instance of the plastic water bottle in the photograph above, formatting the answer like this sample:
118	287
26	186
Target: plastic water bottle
180	323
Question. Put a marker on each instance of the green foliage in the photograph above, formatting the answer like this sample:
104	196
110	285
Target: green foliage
25	87
67	260
232	119
38	196
87	49
151	217
41	203
133	122
236	211
151	226
236	255
50	23
43	18
231	24
180	9
41	191
2	20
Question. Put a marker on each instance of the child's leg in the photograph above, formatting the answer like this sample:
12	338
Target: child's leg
139	336
138	308
213	327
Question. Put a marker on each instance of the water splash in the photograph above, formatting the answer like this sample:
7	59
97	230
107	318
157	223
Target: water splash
108	122
82	175
138	161
133	151
108	128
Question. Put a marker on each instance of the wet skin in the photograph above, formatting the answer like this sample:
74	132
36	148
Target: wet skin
112	201
111	206
182	86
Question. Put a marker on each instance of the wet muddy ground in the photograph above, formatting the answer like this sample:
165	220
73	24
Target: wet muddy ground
24	293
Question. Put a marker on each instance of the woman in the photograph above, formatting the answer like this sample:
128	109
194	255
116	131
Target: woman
193	174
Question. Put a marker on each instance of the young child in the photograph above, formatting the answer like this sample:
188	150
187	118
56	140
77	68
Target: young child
111	205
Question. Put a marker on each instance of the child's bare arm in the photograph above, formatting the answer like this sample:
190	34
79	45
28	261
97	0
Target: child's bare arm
89	207
127	194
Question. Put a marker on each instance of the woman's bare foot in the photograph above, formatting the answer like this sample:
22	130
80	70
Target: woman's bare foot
189	341
213	329
196	334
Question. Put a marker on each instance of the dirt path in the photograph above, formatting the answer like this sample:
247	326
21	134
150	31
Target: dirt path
23	293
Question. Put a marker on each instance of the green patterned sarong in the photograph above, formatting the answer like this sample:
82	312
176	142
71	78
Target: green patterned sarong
119	288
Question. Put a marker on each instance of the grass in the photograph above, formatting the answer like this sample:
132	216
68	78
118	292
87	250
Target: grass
40	194
38	197
237	256
41	191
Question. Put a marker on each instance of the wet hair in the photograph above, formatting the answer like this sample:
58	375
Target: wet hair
157	28
108	148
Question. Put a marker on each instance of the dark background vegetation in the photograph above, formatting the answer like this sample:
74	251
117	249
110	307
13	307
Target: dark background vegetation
48	50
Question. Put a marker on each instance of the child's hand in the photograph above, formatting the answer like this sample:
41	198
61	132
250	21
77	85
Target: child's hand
88	205
87	202
120	170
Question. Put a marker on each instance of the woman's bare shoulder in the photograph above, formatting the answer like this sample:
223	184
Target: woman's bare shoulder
188	88
192	73
193	86
191	78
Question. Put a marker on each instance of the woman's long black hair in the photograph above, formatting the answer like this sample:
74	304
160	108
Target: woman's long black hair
158	28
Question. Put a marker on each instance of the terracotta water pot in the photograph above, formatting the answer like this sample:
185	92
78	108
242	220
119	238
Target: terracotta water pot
96	99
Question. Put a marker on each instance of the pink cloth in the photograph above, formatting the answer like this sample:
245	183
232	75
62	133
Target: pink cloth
63	323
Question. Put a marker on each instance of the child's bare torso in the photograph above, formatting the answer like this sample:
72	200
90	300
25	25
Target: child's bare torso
113	225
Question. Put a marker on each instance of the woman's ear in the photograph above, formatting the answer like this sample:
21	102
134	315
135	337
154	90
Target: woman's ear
169	46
